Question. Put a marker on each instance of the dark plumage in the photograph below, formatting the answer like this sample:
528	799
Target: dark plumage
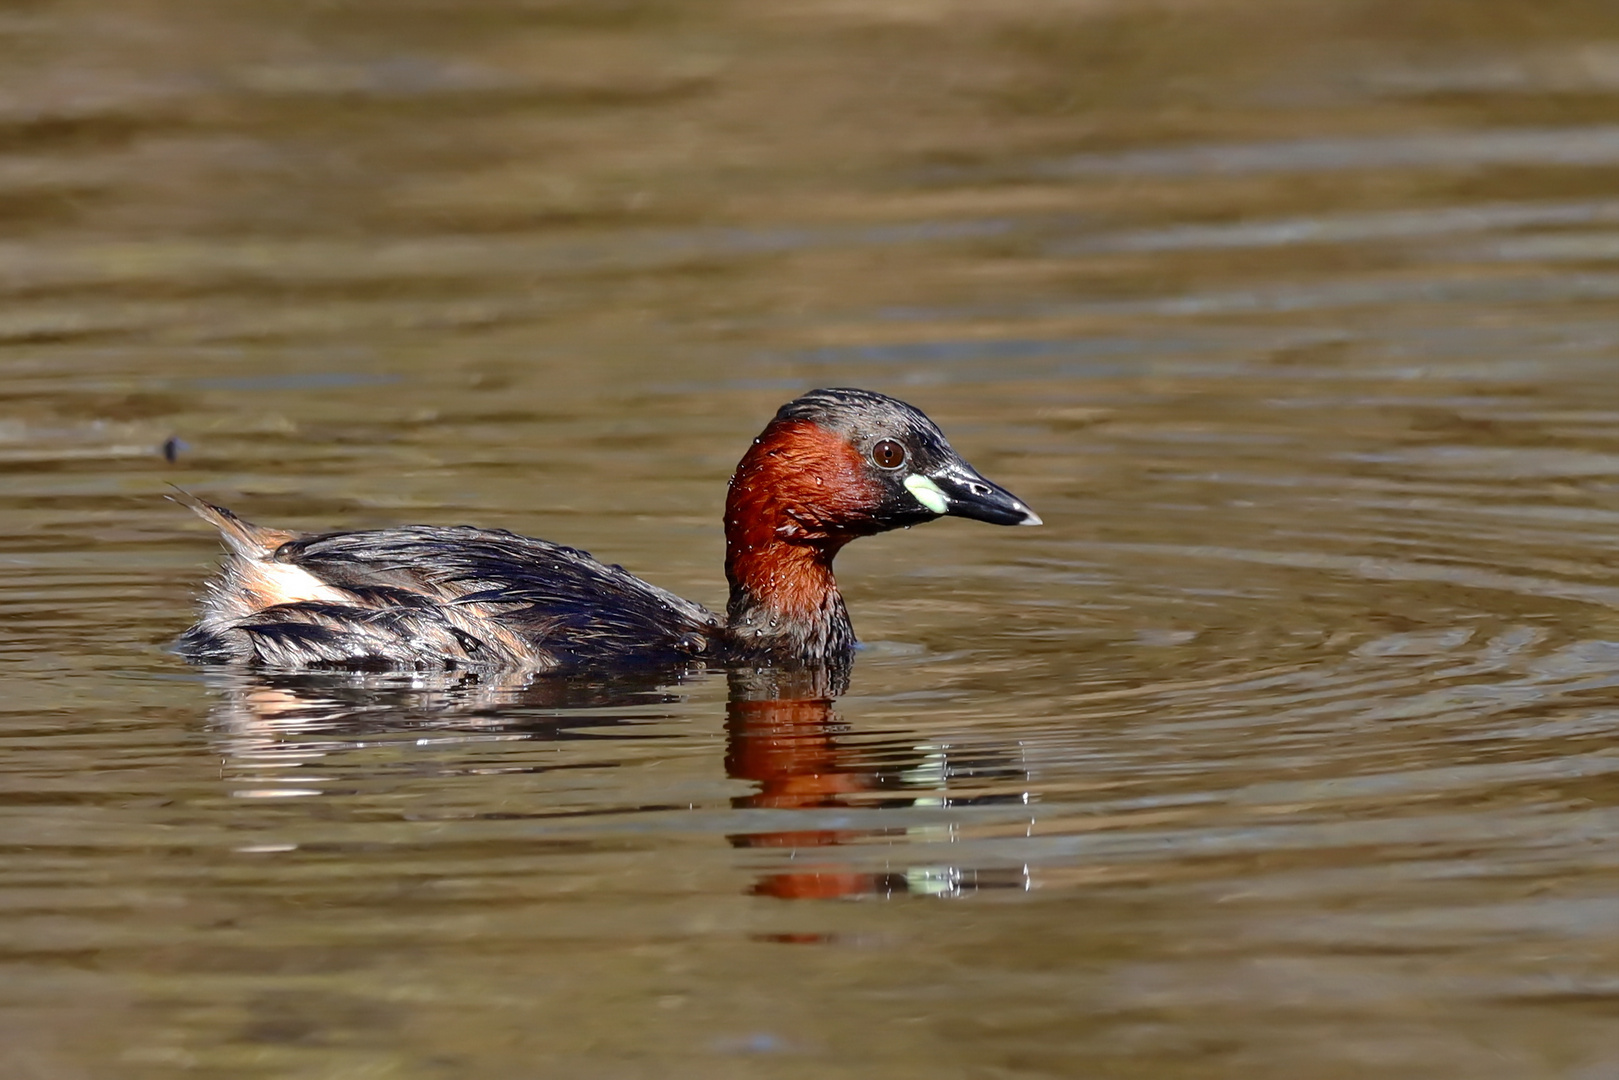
421	596
833	465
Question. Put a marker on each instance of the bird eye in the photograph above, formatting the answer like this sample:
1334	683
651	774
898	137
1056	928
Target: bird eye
888	454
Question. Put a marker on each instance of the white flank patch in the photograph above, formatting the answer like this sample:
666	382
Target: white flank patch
282	583
927	493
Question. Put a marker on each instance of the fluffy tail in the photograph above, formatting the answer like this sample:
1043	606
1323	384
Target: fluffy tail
245	539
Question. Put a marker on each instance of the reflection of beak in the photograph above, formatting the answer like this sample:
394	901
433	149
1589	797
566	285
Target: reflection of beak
957	489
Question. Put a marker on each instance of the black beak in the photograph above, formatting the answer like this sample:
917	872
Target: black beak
966	494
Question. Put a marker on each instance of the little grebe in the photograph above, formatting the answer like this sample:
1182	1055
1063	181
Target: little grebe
833	465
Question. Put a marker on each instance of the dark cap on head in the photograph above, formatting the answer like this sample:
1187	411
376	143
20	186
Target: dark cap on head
848	410
909	456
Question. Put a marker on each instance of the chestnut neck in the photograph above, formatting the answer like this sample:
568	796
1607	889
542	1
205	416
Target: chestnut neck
799	494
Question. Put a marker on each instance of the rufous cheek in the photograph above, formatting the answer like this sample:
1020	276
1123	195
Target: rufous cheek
827	478
814	477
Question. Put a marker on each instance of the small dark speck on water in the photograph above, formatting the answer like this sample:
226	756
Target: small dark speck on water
1301	340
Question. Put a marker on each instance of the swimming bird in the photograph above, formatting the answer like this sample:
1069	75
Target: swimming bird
833	465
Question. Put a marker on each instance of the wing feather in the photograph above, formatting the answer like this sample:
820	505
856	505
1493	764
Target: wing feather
427	596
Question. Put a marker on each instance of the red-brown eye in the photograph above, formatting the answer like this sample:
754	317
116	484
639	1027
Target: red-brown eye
888	454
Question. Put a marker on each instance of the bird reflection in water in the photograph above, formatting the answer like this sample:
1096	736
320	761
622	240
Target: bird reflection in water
277	731
782	734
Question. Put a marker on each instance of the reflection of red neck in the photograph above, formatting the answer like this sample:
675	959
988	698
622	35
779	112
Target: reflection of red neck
788	748
800	493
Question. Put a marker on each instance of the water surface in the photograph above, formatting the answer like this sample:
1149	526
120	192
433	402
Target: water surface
1286	748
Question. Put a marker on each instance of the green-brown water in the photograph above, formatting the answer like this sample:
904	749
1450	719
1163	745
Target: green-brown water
1286	749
